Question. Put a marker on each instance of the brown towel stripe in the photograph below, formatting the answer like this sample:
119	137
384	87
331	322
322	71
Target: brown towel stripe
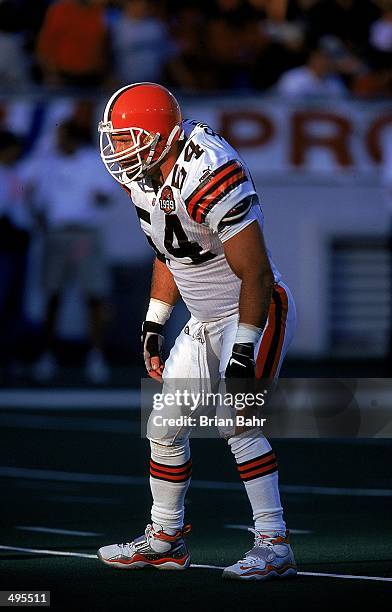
261	458
257	467
178	473
268	469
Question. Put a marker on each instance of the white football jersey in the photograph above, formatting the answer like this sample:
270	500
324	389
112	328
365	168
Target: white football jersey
208	197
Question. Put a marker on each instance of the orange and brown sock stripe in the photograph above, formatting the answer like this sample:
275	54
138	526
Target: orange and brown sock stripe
171	473
258	467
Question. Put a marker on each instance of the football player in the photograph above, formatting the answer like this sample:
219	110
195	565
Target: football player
198	207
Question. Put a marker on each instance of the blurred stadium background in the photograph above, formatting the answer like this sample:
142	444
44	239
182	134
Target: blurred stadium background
303	89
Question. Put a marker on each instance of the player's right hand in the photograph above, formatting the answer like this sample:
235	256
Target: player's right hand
152	343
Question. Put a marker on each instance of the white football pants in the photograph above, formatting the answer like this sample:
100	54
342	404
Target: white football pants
202	351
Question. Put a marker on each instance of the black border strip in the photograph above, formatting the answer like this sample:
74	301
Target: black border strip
144	215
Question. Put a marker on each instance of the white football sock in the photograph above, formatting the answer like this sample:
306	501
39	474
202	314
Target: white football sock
170	472
256	463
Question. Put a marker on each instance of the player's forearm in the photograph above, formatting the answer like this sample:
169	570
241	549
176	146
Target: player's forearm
163	285
255	298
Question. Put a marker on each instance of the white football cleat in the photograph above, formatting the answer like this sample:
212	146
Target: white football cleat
271	557
153	549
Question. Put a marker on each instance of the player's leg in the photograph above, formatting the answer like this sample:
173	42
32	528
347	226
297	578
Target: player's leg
256	461
192	360
162	545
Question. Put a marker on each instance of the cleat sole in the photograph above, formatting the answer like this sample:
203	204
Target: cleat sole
289	572
138	565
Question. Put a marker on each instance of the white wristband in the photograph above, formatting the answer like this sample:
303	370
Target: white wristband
158	311
247	333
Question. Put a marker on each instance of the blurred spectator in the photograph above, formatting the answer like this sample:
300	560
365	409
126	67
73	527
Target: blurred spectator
14	241
141	43
375	83
68	190
380	39
190	67
30	18
276	10
13	73
348	65
381	31
348	20
386	182
13	64
315	78
231	43
283	50
73	44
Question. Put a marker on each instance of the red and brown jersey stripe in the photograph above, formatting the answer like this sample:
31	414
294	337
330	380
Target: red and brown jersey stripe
220	183
257	467
171	473
270	349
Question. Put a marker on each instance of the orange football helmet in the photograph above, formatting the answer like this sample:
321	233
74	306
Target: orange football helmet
151	115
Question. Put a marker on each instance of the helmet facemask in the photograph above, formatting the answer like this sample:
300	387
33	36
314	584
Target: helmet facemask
129	164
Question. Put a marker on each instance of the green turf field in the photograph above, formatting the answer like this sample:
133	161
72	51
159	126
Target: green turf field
74	480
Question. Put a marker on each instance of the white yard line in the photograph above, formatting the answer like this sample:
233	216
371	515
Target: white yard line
72	399
115	479
70	532
55	553
62	553
202	566
347	576
247	527
345	491
81	499
69	423
35	474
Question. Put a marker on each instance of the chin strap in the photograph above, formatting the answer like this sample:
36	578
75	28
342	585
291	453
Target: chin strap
169	143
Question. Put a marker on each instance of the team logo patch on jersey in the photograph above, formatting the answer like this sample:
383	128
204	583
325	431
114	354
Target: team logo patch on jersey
166	201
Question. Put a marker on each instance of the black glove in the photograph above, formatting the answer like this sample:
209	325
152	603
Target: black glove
152	343
241	363
240	380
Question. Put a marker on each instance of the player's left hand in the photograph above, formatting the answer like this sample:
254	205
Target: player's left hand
152	343
241	363
240	380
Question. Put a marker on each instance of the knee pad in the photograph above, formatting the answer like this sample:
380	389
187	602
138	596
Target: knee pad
244	438
160	431
176	453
